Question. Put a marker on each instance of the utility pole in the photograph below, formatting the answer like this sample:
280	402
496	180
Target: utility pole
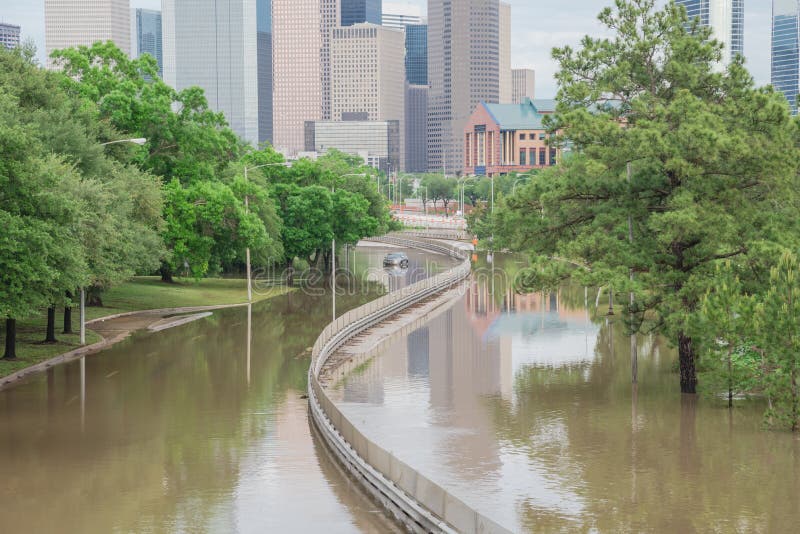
634	349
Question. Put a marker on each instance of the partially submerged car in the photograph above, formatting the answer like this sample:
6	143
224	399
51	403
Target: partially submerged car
396	259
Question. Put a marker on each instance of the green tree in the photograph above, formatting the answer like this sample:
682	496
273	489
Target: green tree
713	171
777	333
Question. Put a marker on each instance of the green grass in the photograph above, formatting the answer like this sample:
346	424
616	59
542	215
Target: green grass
141	293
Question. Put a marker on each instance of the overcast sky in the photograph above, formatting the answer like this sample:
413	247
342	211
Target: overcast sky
538	26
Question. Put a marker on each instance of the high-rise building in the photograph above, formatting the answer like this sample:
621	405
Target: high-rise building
69	23
264	52
367	75
400	14
377	142
417	54
463	70
360	11
786	49
216	53
301	66
416	128
726	19
505	53
9	35
146	35
523	85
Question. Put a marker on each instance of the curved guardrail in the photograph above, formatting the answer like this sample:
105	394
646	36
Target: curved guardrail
419	503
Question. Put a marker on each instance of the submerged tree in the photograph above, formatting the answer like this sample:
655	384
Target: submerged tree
676	164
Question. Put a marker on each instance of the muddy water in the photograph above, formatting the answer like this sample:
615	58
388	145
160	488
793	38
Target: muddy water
186	430
523	407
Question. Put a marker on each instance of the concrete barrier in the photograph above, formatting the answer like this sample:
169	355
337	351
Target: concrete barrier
419	503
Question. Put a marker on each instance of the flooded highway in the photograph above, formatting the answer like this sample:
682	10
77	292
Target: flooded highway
186	430
523	407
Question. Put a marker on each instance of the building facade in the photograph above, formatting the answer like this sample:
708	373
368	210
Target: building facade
463	71
523	85
146	35
69	23
264	53
785	76
377	142
9	35
506	82
416	128
368	75
503	138
399	14
726	19
301	67
417	54
360	11
216	53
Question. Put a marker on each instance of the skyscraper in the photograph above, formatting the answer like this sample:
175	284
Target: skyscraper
301	66
399	14
9	35
69	23
523	83
216	53
358	11
463	70
726	19
264	51
417	54
146	35
786	49
367	76
505	53
416	128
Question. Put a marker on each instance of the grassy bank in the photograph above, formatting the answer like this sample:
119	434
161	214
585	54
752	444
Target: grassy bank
141	293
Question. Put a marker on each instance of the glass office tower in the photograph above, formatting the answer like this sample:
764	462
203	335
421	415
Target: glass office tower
358	11
724	17
786	49
146	38
417	54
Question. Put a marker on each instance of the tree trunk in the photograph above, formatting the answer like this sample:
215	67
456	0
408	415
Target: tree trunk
11	340
290	273
67	320
93	297
166	274
686	357
51	325
730	377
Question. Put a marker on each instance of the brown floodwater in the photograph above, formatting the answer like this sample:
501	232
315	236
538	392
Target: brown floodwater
522	406
186	430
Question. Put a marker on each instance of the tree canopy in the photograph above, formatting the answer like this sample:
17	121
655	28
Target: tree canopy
677	163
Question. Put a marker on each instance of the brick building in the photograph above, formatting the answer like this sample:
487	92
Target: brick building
504	138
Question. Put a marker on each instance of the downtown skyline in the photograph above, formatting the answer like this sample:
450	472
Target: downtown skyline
535	29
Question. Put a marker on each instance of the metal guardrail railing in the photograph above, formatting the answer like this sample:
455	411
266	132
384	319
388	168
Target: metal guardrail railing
422	505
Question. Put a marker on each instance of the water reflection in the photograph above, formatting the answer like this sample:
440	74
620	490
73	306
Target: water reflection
201	428
523	406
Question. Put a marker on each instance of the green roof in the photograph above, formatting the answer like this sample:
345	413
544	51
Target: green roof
525	116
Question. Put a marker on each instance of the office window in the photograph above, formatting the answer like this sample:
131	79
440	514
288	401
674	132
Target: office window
543	156
522	157
552	156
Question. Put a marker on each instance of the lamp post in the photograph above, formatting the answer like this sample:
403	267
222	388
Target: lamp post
247	210
463	182
136	141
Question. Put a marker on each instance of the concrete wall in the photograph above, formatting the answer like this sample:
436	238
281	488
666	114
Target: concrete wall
421	504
